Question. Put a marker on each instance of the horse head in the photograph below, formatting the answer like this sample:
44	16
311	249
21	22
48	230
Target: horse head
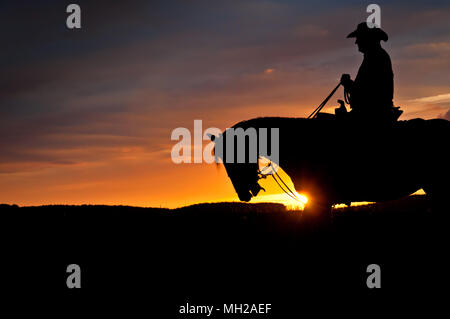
243	176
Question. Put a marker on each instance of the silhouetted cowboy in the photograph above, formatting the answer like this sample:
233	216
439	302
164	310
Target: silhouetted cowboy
370	95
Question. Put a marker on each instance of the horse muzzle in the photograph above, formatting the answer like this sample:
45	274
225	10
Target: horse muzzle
245	196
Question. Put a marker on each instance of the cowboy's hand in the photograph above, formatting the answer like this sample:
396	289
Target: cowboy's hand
345	79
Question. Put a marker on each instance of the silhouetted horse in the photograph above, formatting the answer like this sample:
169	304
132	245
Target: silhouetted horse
336	161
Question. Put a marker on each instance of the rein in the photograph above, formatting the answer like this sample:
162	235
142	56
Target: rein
275	173
320	107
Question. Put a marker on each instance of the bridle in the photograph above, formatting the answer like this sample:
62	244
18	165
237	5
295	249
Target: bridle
275	175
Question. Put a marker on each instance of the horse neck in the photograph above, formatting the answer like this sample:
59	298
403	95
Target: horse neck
289	130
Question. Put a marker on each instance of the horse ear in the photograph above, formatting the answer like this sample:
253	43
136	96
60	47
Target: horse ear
212	137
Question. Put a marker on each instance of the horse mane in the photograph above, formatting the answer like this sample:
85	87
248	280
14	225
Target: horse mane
271	120
324	124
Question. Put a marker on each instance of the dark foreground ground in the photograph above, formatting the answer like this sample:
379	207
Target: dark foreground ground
156	260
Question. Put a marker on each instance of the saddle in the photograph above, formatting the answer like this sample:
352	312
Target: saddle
391	115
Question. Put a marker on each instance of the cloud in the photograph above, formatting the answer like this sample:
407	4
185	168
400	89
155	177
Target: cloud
310	31
446	116
440	98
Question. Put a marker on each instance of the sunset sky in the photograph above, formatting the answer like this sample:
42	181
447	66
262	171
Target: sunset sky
86	115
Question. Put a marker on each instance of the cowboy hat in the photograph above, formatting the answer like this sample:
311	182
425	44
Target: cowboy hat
374	32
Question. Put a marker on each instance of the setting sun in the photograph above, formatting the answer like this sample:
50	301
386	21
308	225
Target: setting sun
275	194
303	198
